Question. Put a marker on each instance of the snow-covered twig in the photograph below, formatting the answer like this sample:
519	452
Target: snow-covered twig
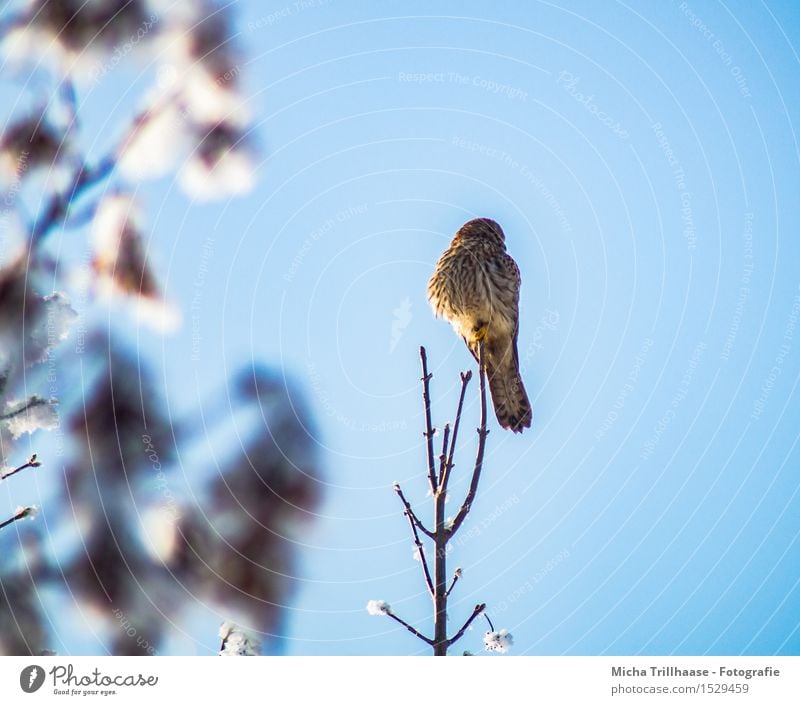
456	576
21	513
32	463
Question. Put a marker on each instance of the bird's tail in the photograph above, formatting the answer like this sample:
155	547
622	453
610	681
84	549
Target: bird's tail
511	403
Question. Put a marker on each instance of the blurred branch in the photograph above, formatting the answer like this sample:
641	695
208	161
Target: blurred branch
82	217
29	404
85	177
198	119
66	90
58	207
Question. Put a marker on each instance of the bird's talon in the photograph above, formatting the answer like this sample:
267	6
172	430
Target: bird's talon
480	332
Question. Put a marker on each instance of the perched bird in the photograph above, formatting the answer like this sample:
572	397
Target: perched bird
475	287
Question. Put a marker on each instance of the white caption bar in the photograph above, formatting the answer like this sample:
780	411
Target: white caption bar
480	679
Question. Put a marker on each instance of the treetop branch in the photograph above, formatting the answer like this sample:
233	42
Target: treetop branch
448	466
429	430
482	433
443	456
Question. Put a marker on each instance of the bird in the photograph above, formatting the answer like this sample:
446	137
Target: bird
475	287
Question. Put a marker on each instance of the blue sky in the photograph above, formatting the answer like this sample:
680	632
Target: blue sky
643	161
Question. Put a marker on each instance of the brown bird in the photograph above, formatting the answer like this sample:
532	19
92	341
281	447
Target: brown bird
475	287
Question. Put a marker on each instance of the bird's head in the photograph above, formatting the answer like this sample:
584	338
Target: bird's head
482	229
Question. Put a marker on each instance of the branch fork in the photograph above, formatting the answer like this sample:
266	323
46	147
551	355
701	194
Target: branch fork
443	530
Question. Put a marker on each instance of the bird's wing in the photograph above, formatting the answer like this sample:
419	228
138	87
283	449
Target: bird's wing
512	270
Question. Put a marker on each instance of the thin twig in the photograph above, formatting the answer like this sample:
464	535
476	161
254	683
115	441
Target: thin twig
443	529
482	433
456	576
465	378
443	456
425	530
429	430
32	463
421	553
478	610
8	522
491	626
22	514
410	628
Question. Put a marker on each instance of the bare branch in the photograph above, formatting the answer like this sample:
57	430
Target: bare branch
443	455
482	433
411	513
8	522
409	627
429	430
443	530
465	378
32	463
456	576
477	611
21	513
440	570
421	553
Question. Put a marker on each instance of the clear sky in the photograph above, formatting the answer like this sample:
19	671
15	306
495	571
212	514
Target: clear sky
643	160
